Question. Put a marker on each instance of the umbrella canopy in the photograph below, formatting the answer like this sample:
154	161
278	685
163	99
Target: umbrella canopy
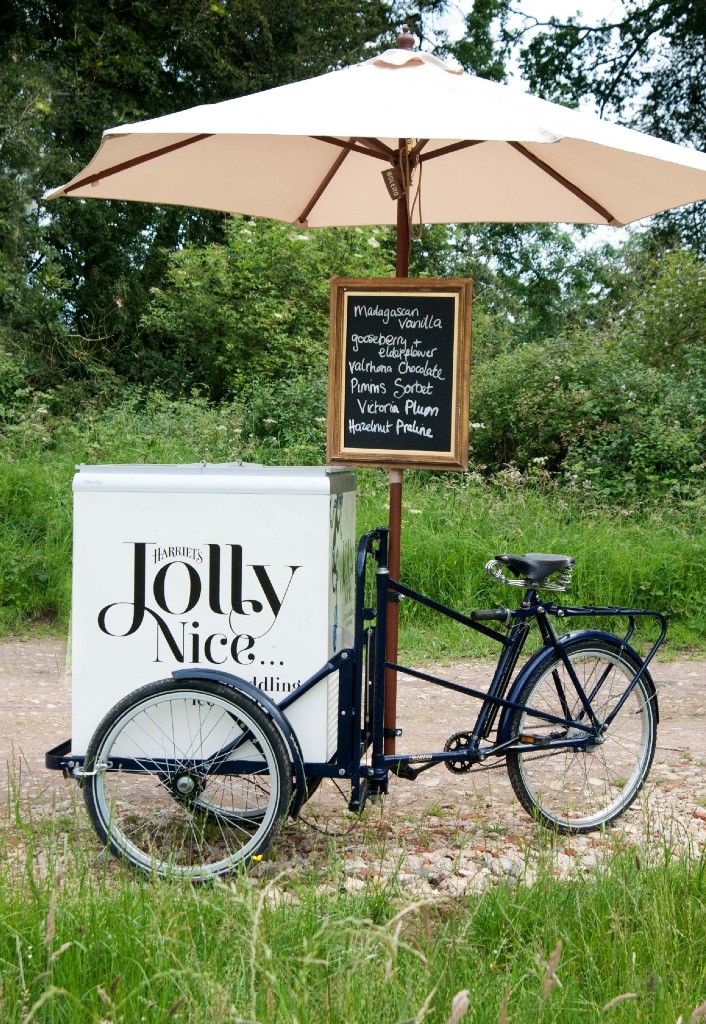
311	153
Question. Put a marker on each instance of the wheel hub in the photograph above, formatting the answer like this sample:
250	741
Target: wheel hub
595	741
186	785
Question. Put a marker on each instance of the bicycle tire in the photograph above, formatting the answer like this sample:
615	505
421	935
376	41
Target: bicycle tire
191	818
574	791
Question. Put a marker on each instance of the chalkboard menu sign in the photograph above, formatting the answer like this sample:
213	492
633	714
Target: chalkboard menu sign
399	372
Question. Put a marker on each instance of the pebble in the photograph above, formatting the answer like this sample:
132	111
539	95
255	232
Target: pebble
275	897
354	885
458	852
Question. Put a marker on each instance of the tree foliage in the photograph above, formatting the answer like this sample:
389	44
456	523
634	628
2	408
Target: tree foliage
480	50
83	271
256	306
646	67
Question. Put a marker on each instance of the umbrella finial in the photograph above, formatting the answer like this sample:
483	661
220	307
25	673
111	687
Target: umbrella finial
405	40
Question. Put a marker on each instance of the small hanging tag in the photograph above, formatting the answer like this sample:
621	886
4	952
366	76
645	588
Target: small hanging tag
393	181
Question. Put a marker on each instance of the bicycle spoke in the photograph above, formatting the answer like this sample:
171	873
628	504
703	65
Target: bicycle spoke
592	784
197	817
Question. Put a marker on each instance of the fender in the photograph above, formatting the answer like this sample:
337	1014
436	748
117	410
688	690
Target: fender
545	656
273	713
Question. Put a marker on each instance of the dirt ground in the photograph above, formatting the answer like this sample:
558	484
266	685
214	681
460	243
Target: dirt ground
444	830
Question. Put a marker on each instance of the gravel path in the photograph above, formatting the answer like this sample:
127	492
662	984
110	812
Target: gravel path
443	833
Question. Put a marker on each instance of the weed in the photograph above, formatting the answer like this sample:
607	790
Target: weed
436	811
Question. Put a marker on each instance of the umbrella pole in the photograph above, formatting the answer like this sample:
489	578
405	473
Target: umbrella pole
395	517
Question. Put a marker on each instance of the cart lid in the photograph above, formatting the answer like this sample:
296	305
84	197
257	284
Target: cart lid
214	478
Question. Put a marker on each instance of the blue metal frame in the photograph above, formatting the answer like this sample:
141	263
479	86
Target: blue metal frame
360	756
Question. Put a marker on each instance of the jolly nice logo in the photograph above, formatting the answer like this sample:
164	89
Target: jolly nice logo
243	593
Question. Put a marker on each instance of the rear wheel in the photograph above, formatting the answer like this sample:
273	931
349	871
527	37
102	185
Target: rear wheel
579	790
190	778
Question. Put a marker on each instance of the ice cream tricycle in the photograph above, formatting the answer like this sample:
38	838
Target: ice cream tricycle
228	653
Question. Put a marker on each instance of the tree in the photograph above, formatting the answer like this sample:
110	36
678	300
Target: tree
646	68
71	68
480	51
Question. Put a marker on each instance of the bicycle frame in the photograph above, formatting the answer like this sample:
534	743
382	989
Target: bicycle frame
361	669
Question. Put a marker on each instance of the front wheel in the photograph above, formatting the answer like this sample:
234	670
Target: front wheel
187	777
571	789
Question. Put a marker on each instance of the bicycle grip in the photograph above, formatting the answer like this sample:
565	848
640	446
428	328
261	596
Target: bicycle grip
492	614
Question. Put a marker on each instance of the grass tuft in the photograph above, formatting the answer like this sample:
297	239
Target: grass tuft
84	940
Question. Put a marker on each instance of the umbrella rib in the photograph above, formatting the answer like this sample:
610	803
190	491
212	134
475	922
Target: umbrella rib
375	145
352	147
569	185
452	148
117	168
325	182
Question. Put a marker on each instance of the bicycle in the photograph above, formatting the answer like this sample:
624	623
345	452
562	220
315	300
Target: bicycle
195	774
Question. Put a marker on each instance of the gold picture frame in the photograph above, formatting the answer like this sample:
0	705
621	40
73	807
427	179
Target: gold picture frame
405	402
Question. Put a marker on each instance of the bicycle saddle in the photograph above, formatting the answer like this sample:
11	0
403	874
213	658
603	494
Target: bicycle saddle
535	568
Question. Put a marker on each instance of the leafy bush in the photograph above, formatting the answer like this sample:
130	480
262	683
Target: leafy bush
16	398
285	420
668	324
153	427
35	544
11	379
589	409
256	307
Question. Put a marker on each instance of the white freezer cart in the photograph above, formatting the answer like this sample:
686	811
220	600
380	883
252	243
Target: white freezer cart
242	568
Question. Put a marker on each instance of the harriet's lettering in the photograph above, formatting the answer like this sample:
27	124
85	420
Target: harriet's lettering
244	593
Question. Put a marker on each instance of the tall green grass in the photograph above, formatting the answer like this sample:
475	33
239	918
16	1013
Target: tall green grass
651	557
35	545
88	944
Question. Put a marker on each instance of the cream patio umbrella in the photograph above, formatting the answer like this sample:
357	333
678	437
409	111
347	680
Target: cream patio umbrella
311	153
